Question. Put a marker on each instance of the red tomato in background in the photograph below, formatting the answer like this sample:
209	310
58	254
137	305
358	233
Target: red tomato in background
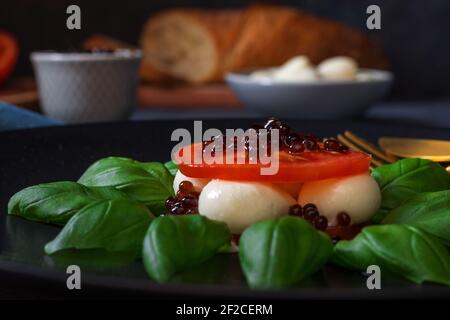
9	52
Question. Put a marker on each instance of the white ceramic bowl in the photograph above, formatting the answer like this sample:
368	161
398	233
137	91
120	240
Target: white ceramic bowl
87	87
323	99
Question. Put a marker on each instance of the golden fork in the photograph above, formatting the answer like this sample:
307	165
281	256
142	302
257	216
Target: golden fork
379	157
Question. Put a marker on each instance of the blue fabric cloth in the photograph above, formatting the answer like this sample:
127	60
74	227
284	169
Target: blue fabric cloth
12	117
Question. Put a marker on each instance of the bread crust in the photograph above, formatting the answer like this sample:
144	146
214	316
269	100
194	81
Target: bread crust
222	28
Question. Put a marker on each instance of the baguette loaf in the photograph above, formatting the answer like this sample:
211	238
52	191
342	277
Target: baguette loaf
201	45
190	44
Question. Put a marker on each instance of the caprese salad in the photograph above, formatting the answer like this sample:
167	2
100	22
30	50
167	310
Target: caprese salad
321	181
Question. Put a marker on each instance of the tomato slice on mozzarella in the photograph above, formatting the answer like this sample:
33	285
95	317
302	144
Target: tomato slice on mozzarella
307	166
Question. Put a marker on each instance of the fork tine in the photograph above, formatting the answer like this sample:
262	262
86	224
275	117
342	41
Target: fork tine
369	147
351	145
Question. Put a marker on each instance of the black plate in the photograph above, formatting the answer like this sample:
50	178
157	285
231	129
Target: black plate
34	156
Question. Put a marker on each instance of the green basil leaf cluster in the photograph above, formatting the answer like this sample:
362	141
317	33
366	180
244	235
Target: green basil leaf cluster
113	225
406	178
280	252
427	211
403	250
149	183
174	243
57	202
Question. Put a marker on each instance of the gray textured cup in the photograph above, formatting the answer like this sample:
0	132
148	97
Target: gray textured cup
87	87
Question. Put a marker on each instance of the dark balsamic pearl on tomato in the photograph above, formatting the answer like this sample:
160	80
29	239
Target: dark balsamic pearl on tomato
343	219
284	130
292	137
332	145
310	144
272	123
344	149
296	147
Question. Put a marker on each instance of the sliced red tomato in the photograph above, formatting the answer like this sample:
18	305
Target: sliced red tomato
307	166
9	52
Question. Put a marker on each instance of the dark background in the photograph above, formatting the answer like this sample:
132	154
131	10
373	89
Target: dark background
414	33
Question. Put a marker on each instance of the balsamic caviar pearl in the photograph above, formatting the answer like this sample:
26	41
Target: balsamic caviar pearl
170	202
292	137
181	194
309	206
296	210
344	149
321	223
332	145
343	219
310	215
189	201
195	194
273	123
177	209
296	147
186	186
310	145
284	130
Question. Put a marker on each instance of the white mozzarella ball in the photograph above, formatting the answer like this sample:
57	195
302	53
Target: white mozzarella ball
358	195
262	74
198	183
303	75
240	204
338	68
296	69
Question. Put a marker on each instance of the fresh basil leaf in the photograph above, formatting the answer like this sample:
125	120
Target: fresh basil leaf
147	182
57	202
427	211
117	225
402	250
406	178
172	167
280	252
174	243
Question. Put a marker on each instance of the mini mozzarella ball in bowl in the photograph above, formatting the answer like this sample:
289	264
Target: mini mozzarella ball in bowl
359	196
338	68
240	204
296	69
198	183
